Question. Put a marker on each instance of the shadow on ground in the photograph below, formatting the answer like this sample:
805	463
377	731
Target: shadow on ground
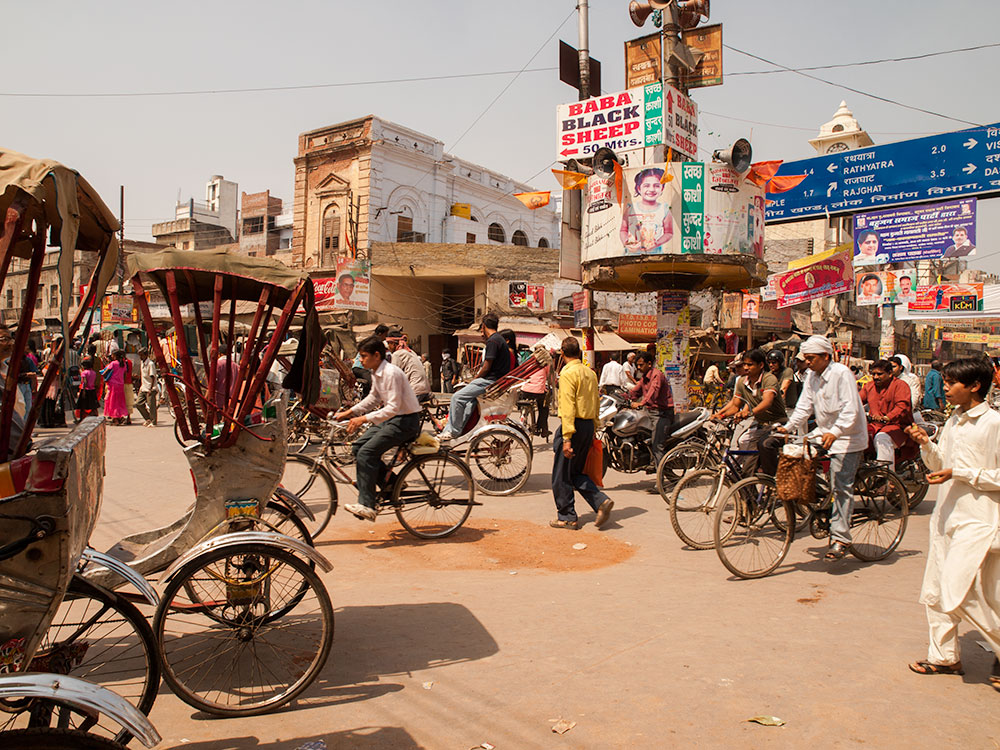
362	738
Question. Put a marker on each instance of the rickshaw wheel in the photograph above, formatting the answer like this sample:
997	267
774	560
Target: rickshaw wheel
500	462
99	636
256	635
50	738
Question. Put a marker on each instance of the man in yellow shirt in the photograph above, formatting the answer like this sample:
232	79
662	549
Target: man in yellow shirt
578	405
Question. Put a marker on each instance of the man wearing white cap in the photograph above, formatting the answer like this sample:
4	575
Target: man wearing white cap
831	394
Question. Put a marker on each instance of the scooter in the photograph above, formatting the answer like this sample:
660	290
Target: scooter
627	434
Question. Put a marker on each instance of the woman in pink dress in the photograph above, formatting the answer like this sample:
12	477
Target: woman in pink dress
115	406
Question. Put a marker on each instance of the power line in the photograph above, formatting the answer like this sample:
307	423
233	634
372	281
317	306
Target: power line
265	89
863	62
849	88
808	130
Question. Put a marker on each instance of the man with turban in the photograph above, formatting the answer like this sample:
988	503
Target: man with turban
830	392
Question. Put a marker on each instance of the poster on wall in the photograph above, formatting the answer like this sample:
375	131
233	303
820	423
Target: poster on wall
751	307
118	308
898	235
676	208
536	297
517	295
349	290
673	350
732	309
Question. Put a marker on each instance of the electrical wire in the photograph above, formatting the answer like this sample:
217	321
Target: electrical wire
863	62
852	89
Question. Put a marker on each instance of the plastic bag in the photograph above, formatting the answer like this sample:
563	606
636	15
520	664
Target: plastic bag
594	467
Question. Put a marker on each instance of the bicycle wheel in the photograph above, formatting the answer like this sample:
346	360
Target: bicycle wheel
433	495
99	636
692	506
311	482
748	540
285	521
878	520
500	462
527	410
913	475
676	463
51	738
267	638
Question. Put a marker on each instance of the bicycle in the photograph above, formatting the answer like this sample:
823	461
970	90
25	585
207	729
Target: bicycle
753	529
432	495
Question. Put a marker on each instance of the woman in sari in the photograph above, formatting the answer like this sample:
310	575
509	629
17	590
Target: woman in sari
115	406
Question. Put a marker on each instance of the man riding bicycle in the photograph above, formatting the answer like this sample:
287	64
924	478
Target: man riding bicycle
392	407
831	394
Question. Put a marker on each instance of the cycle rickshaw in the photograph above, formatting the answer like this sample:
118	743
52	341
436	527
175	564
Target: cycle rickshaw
49	498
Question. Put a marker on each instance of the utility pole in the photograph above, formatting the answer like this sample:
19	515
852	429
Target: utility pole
669	38
584	48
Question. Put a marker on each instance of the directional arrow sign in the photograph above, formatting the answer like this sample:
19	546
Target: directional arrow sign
965	162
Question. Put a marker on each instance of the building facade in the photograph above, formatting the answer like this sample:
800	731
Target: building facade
371	180
202	225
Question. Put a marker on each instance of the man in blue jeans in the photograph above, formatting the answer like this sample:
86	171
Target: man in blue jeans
392	408
496	364
831	393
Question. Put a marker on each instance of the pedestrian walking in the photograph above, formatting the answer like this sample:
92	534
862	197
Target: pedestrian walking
578	405
86	400
449	373
962	577
536	387
427	368
613	378
934	387
149	381
115	407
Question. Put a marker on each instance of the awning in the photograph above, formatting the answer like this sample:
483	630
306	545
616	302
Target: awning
604	341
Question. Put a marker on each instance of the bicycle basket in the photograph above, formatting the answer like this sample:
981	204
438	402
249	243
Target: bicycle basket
796	476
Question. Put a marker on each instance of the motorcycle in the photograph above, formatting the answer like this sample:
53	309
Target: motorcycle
627	434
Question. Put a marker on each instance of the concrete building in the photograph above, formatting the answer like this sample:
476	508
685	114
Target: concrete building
371	180
259	232
201	225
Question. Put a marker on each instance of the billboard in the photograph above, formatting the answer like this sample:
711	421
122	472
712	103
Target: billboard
642	58
899	235
348	290
953	298
118	308
677	208
751	307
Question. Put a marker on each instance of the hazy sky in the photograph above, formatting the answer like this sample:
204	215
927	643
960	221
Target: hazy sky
159	146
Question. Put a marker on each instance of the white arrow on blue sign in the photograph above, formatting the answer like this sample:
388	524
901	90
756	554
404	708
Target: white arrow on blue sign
938	167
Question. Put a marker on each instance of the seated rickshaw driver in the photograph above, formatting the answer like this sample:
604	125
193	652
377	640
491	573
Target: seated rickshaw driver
392	407
889	411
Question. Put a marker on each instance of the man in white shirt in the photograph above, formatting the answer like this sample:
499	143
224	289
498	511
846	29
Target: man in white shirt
830	392
613	378
409	362
149	378
631	369
392	407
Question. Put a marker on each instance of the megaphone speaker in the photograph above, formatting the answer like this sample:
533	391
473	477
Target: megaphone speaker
738	156
604	162
639	12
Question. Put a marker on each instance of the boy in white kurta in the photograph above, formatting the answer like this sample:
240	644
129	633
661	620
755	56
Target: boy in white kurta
962	579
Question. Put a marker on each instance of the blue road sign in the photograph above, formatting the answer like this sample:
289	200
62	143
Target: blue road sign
938	167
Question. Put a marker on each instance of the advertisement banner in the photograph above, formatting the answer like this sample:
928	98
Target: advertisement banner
118	308
624	121
732	309
517	295
830	274
708	41
774	319
940	230
673	345
349	290
751	307
581	309
958	298
873	287
536	297
638	326
676	208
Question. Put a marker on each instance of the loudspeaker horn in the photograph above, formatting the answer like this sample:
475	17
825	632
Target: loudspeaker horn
691	12
737	156
639	12
604	162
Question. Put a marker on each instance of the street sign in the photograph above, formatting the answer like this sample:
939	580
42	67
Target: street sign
569	67
642	60
628	120
708	41
938	167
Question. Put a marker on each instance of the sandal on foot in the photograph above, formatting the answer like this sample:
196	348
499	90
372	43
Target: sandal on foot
558	524
837	551
926	667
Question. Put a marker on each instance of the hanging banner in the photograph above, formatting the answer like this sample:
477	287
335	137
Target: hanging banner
637	326
676	208
751	307
581	309
118	308
349	290
940	230
872	288
828	274
732	309
773	319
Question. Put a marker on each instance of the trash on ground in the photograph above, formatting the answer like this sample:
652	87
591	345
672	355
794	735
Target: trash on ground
313	745
579	545
513	572
768	721
562	726
428	685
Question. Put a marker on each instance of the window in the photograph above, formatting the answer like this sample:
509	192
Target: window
24	298
10	298
404	230
331	231
542	242
496	233
284	243
270	223
53	296
474	218
519	238
253	225
470	239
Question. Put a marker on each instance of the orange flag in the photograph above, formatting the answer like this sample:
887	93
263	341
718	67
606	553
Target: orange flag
784	182
534	200
763	171
619	180
570	180
667	177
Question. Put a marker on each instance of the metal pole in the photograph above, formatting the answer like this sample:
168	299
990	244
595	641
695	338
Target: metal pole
584	52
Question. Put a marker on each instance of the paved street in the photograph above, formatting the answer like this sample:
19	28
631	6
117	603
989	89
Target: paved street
493	634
